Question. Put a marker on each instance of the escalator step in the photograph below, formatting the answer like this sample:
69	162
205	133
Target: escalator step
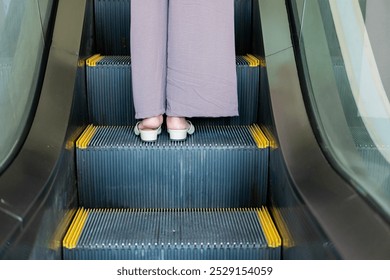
110	98
220	166
109	85
172	234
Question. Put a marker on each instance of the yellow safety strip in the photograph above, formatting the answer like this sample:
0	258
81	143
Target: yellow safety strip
73	235
86	136
94	59
259	137
70	143
56	240
287	238
270	137
252	60
269	229
255	59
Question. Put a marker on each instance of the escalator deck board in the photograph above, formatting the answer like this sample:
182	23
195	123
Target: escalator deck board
172	234
218	166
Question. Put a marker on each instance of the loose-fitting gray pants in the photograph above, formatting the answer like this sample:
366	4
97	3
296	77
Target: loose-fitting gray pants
183	58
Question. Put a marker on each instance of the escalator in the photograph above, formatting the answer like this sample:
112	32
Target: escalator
257	186
204	198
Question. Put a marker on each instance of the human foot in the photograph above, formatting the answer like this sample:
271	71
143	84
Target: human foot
179	127
149	128
151	123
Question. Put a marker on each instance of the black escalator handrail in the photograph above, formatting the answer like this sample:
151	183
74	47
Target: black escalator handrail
25	183
333	202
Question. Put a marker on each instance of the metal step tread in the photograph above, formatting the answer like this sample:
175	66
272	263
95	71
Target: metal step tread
205	136
172	234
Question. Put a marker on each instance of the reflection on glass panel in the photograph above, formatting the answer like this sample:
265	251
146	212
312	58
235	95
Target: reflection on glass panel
376	18
45	7
344	48
21	49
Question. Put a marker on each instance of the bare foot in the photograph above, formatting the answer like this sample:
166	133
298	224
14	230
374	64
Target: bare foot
176	123
151	123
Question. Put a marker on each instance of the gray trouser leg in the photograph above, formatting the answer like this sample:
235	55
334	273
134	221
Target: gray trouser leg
198	77
149	56
201	78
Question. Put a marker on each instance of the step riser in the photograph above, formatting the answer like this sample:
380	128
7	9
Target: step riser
171	174
172	179
110	97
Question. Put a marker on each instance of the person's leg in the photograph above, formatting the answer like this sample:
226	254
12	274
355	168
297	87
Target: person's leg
201	77
148	60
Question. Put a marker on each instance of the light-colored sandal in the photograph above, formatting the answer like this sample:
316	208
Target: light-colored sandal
181	134
147	135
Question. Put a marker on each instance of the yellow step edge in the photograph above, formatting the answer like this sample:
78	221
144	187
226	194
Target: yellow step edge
287	238
85	137
56	240
72	236
90	60
270	137
252	60
270	231
259	136
93	60
70	143
255	59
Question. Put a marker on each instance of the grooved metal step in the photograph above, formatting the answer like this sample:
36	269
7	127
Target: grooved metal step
220	166
172	234
110	99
